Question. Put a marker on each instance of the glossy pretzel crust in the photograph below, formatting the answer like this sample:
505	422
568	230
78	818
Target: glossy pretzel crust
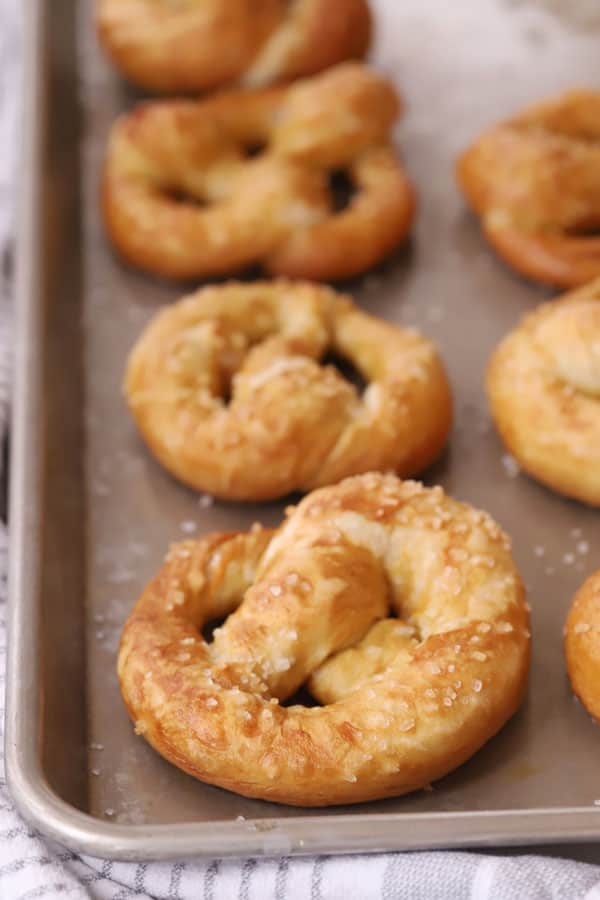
406	699
227	389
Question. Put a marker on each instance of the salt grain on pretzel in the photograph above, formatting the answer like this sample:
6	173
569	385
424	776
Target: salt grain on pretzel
582	645
402	706
543	384
535	183
227	389
193	45
199	188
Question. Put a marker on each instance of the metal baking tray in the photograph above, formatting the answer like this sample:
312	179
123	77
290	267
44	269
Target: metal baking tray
92	513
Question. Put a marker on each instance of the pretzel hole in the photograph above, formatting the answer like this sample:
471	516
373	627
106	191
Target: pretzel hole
347	370
181	198
209	628
302	697
584	230
253	150
342	189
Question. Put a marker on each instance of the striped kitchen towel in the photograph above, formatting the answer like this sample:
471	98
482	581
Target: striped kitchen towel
32	868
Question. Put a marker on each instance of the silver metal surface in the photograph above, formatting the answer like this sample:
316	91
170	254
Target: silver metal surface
92	513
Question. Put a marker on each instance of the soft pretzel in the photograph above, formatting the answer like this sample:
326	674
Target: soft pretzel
194	45
544	388
405	699
183	199
290	423
535	183
582	645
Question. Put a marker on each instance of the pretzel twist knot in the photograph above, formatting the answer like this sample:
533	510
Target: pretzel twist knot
187	195
227	390
544	389
535	183
405	699
193	45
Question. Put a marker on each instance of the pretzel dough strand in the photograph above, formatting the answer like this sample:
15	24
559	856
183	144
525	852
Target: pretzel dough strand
413	697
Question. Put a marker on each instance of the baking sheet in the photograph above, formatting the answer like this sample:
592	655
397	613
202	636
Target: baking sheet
93	512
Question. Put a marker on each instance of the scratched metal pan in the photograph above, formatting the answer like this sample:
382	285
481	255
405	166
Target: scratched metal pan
92	513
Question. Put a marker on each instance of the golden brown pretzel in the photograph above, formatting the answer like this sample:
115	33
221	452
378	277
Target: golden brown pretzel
544	388
276	208
535	183
407	699
291	424
582	645
194	45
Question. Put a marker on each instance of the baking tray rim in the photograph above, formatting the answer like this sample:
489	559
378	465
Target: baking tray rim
310	835
36	801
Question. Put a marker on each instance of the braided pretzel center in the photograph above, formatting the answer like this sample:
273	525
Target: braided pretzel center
571	338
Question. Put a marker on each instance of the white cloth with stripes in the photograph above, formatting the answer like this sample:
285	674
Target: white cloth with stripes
31	867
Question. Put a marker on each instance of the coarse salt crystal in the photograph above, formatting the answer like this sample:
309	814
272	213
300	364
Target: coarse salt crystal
510	465
188	527
477	685
569	559
582	628
479	656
